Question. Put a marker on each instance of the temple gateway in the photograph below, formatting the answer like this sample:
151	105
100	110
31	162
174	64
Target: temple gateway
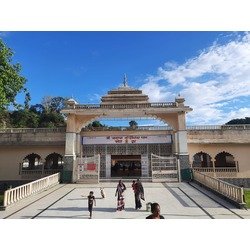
129	152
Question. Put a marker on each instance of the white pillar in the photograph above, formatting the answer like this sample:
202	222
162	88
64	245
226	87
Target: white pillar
70	147
78	145
108	165
181	142
144	165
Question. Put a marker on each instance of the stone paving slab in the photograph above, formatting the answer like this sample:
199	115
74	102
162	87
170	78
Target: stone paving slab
177	201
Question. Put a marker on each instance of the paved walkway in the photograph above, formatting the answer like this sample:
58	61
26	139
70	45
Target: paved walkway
177	201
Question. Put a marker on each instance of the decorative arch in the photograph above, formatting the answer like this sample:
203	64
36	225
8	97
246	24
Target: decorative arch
32	161
83	122
224	160
54	161
202	159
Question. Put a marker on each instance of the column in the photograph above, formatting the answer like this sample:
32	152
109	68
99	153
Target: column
108	166
181	147
213	165
70	166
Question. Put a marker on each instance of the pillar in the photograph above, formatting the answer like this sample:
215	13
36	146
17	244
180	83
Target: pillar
181	150
69	168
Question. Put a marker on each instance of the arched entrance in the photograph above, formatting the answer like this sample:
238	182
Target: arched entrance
126	102
32	161
202	160
224	160
54	161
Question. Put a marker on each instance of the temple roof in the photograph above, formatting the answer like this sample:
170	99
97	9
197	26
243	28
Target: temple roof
124	94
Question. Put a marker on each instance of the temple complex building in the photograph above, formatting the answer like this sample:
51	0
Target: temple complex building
152	153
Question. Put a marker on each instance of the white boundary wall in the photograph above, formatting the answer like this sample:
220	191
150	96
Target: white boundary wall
228	190
13	195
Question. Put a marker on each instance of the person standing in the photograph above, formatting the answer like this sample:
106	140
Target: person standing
120	195
155	210
91	202
139	194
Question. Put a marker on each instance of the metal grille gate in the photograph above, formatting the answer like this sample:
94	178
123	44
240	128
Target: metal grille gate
165	169
88	169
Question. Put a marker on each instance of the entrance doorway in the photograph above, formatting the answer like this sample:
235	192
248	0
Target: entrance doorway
125	165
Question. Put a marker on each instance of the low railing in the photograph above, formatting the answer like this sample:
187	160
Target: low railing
125	106
32	130
219	171
219	127
38	172
216	170
125	128
14	195
228	190
60	130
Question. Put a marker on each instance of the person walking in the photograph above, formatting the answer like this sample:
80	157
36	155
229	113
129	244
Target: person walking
91	202
155	210
120	195
139	194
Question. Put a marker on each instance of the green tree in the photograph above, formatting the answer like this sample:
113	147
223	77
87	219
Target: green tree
54	104
37	108
133	124
245	120
57	103
11	82
24	119
95	124
51	120
5	120
27	100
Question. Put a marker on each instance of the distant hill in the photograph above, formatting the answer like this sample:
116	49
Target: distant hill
245	120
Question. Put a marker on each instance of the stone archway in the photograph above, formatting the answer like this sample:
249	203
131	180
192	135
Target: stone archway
224	160
126	102
53	161
32	161
202	160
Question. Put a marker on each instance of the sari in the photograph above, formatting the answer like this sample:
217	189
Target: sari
120	196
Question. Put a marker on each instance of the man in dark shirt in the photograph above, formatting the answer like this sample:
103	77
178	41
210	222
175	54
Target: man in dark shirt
155	210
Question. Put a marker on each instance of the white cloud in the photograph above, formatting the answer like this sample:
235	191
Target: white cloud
219	74
156	92
95	98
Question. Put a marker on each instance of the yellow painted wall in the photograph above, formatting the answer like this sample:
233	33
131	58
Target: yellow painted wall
241	153
12	156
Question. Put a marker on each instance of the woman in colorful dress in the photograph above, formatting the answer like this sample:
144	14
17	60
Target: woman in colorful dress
120	195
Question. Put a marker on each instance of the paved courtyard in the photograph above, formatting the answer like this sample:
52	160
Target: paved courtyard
177	201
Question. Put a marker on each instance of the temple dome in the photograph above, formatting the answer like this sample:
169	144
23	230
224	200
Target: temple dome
124	94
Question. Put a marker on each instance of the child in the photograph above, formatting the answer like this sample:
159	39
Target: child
91	201
102	193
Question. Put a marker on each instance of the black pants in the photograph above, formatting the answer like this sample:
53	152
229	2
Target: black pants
137	201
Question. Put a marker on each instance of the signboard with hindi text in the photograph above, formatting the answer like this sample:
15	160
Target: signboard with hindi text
126	139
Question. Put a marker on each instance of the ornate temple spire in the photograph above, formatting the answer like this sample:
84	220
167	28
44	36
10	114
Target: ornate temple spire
125	81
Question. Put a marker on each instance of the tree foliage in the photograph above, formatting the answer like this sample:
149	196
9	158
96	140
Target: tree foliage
245	120
37	116
46	114
11	82
133	124
24	119
95	124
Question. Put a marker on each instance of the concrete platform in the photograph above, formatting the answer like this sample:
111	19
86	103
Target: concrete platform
177	201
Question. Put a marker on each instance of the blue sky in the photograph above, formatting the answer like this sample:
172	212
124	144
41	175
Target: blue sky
210	69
